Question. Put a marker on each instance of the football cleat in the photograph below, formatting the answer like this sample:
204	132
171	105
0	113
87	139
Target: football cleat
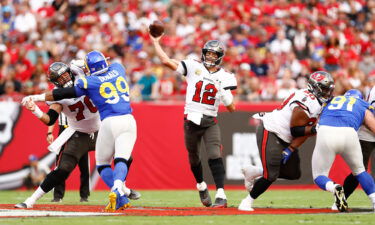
22	205
117	202
84	200
111	206
205	198
56	200
340	199
134	195
334	207
220	203
245	205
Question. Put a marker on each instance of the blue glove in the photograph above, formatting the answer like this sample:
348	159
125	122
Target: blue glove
287	152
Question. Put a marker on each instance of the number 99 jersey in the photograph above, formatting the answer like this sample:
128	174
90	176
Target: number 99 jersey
109	91
278	121
203	87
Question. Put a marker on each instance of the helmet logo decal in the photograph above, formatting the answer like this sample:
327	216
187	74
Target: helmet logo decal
318	76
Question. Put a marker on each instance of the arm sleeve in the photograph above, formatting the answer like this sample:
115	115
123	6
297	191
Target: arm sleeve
62	93
230	83
182	68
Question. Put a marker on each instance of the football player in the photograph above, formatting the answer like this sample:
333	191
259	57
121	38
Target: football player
108	89
367	141
207	84
282	131
84	122
337	134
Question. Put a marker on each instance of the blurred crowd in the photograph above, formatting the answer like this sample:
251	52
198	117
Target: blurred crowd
272	45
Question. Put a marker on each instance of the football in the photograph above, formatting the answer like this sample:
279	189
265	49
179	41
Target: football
156	28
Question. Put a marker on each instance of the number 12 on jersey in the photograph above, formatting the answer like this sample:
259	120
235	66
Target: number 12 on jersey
209	93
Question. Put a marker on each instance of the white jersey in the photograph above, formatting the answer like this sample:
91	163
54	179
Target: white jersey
364	133
81	113
278	121
202	95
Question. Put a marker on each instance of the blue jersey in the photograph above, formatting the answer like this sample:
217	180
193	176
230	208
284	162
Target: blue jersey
344	111
109	91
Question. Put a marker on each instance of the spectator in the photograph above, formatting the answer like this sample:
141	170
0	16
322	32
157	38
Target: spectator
38	171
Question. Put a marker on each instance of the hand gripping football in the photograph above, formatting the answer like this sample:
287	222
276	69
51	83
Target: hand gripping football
156	28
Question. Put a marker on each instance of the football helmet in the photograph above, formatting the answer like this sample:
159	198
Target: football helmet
321	84
354	93
59	74
216	47
96	63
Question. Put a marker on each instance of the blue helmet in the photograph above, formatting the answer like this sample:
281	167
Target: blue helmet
354	93
96	63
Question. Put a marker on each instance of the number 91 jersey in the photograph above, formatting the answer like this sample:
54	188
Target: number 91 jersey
109	91
203	87
278	121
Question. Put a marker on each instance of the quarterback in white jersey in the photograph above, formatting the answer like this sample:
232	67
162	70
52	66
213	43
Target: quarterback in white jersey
208	84
281	132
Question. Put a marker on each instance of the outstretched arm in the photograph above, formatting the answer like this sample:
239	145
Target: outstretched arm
48	118
54	95
164	58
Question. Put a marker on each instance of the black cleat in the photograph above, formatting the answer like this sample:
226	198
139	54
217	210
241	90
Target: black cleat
56	200
220	203
340	199
205	198
134	195
21	205
84	200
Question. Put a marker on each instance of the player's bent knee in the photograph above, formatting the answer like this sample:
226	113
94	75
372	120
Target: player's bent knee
68	163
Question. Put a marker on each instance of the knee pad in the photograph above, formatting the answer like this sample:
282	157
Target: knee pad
117	160
102	167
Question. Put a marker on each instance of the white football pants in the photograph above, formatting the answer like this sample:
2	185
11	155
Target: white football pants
116	139
336	140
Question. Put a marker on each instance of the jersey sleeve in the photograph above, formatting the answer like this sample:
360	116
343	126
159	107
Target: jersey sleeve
304	101
182	67
81	86
229	82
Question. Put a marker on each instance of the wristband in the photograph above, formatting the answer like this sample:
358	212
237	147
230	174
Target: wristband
37	112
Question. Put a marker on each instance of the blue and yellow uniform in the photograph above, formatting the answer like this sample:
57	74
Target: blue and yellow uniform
109	91
344	111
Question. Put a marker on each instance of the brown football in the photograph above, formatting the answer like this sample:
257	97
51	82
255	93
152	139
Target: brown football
156	28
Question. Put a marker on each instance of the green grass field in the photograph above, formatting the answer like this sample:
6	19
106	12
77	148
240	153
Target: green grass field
272	198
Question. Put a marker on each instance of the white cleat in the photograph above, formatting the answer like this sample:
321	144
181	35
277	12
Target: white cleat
23	205
246	205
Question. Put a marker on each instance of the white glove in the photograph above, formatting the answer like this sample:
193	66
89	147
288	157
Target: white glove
78	63
35	98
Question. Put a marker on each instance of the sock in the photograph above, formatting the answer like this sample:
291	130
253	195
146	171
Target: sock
197	172
372	198
350	184
107	175
220	193
35	196
330	186
249	198
119	185
367	182
218	171
120	171
260	186
126	190
321	181
202	186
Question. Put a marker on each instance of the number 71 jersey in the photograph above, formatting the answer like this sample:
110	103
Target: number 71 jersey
109	91
203	87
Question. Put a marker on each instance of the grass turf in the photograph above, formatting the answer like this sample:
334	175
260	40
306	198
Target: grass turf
272	198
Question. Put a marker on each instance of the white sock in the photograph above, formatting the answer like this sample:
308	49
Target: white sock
126	190
35	196
118	184
372	197
202	186
249	198
220	193
330	186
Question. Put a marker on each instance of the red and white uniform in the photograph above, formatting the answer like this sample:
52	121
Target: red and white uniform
364	133
203	95
278	121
